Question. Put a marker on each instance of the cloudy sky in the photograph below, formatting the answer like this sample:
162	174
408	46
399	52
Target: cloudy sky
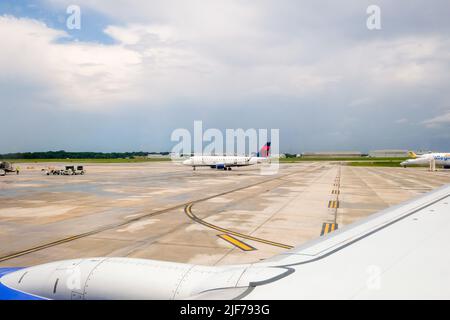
138	69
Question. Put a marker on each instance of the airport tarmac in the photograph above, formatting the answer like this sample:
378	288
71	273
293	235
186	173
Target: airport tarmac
164	211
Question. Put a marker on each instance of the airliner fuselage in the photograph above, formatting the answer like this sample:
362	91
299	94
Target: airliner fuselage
441	159
226	162
222	162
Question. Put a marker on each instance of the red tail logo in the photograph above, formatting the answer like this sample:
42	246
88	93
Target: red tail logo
265	151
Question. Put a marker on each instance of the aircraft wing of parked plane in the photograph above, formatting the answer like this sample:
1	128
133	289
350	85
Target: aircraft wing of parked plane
401	252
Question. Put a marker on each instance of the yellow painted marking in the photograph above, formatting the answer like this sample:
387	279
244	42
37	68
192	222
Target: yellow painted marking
333	204
110	227
236	242
190	214
328	228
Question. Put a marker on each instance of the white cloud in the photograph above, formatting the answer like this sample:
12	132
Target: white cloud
73	74
439	121
402	121
225	51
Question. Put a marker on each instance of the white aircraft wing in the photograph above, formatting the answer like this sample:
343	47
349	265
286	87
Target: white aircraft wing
399	253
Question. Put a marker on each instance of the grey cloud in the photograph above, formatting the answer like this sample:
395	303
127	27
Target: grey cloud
310	68
439	121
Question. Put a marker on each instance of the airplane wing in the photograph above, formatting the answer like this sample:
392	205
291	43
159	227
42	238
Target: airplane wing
399	253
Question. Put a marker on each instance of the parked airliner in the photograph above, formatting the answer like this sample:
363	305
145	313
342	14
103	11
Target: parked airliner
442	159
226	162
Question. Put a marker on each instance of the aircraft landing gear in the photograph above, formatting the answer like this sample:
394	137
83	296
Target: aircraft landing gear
193	168
229	168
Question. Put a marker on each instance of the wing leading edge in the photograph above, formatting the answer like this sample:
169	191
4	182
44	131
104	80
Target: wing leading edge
401	252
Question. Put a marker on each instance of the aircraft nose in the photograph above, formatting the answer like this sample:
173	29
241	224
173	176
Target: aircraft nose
187	162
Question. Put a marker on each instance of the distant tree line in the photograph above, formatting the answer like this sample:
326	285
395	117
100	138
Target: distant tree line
77	155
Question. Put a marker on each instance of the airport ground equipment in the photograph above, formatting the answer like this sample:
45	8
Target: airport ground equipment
67	171
73	171
7	167
80	170
50	171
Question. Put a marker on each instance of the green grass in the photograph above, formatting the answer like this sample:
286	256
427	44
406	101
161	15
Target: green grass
391	163
88	160
352	159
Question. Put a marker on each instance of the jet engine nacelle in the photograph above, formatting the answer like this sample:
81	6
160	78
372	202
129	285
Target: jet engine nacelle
127	278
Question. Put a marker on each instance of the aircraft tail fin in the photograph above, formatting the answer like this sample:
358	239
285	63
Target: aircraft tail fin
412	154
265	150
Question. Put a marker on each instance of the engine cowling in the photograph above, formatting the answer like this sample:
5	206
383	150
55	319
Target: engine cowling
128	278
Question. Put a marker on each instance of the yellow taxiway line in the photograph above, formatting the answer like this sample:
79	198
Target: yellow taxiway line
190	214
146	215
236	242
333	204
328	227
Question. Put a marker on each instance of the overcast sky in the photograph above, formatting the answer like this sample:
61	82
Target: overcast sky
137	70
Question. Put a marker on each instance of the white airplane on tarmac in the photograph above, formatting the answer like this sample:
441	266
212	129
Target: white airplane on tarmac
226	162
441	159
399	253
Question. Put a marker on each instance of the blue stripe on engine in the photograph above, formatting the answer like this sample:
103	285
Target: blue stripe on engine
4	271
11	294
